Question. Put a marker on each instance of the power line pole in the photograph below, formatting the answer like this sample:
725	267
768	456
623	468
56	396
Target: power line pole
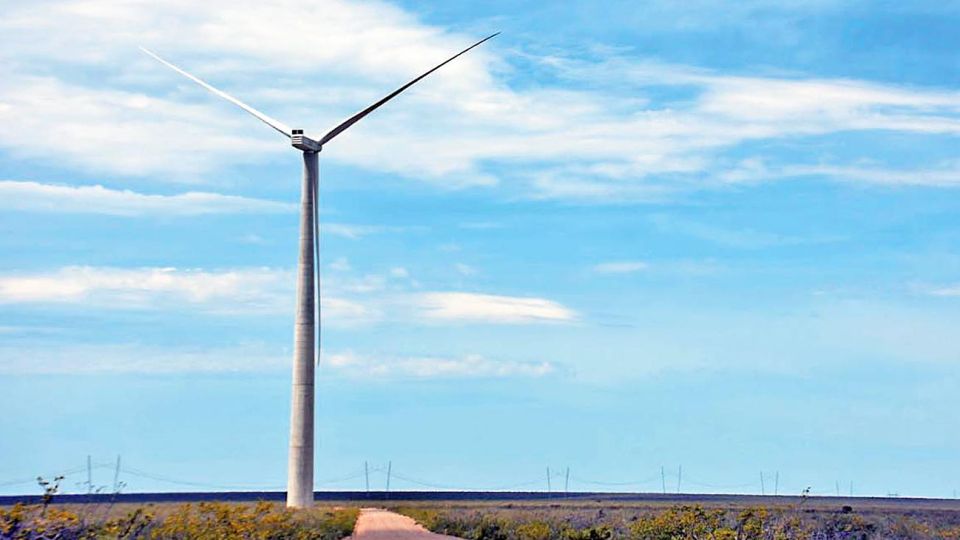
389	472
838	488
679	476
116	477
663	480
89	475
762	490
366	476
566	483
549	489
776	484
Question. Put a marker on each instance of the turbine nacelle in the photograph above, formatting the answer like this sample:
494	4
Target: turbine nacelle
304	143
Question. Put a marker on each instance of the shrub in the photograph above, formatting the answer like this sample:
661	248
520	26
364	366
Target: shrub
534	530
685	522
206	521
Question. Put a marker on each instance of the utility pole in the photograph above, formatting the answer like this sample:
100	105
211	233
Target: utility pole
663	480
549	489
762	490
389	472
838	488
566	483
366	476
776	484
679	476
116	477
89	475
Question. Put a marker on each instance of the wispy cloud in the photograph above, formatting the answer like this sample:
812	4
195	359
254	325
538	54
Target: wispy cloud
944	175
248	289
254	357
96	199
463	306
431	367
347	300
52	358
949	291
620	267
594	143
729	236
465	269
116	131
354	231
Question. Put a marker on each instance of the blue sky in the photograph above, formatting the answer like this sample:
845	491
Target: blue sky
612	239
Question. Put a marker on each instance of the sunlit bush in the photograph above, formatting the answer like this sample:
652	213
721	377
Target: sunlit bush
684	522
595	521
534	530
205	521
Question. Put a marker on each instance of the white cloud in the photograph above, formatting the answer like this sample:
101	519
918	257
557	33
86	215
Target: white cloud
96	199
597	144
465	269
253	357
944	290
470	366
138	358
356	232
116	131
739	238
480	225
347	300
340	264
945	174
227	291
463	306
344	230
620	267
345	312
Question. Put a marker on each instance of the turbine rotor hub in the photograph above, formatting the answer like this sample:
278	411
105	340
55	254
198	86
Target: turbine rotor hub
302	142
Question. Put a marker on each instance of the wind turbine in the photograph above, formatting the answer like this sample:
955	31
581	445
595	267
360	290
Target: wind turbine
300	464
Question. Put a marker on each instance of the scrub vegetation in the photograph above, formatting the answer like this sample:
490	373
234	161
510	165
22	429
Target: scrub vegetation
203	521
585	521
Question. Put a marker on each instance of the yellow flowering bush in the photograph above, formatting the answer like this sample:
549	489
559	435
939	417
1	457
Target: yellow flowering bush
204	521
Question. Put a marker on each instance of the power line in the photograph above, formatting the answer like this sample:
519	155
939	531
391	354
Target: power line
624	483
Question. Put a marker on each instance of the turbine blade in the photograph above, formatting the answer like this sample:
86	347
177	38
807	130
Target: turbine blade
357	117
275	124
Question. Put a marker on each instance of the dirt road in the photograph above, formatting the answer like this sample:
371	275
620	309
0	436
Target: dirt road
377	524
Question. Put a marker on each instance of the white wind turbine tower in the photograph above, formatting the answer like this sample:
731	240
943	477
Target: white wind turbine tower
300	465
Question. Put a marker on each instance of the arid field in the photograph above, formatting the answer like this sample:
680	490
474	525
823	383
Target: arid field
569	518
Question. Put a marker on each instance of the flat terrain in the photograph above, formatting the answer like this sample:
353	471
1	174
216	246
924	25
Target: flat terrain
516	498
379	524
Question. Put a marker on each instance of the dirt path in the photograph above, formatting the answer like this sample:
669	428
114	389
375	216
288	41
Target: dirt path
378	524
